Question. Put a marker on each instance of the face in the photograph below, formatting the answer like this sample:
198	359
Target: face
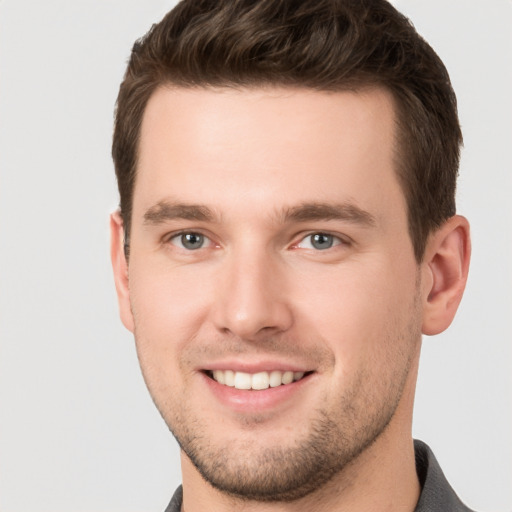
273	290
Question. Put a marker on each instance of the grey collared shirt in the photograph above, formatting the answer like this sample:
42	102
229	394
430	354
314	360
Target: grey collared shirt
436	493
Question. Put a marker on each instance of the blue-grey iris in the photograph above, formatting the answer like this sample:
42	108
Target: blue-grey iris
192	240
322	241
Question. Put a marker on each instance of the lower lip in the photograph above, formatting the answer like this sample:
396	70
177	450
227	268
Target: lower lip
242	400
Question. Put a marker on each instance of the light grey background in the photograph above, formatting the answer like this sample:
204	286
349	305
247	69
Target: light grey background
78	431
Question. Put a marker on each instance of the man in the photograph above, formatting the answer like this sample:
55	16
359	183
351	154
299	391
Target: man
287	232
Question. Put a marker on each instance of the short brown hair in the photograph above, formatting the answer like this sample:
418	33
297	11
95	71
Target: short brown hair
326	45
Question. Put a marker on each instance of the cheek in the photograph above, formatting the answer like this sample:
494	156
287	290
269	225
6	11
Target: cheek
168	310
362	312
166	314
168	305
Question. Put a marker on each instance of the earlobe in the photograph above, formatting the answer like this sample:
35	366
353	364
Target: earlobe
120	268
446	266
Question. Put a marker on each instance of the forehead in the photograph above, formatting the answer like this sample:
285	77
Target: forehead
271	146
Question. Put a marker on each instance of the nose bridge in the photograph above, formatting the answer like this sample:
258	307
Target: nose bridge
252	299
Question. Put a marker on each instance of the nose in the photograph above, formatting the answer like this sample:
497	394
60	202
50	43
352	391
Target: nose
251	301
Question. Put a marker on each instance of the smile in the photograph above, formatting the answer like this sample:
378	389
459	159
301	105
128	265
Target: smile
255	381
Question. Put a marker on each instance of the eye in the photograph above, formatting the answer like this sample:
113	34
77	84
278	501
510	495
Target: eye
319	241
190	241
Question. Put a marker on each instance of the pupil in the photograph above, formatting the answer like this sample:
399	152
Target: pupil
322	241
192	240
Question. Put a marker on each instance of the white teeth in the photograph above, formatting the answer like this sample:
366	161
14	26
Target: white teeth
256	381
287	377
260	380
276	379
229	378
219	376
243	380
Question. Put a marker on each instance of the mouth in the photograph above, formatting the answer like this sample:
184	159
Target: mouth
255	381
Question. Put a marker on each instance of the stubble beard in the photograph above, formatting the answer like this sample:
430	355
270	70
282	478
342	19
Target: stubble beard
277	474
248	471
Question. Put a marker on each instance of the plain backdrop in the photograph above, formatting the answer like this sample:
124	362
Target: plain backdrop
78	431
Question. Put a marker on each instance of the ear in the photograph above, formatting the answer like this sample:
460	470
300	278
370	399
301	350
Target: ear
445	272
120	267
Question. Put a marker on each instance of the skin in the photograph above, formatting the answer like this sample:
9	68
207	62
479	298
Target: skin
259	293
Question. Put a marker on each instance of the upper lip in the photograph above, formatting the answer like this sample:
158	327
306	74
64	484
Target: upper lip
255	366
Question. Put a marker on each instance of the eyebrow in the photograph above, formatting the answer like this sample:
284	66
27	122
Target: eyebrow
164	211
306	212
